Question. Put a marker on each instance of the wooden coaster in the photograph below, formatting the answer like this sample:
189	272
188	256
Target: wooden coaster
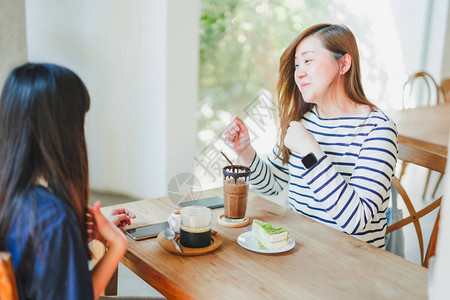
216	242
224	222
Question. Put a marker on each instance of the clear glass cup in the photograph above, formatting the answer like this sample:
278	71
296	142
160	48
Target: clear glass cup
235	192
195	227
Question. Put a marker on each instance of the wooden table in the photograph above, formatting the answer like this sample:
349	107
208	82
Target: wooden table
426	128
324	264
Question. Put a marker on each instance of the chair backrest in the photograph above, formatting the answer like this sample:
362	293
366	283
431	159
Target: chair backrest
422	158
445	87
8	288
411	84
414	217
431	161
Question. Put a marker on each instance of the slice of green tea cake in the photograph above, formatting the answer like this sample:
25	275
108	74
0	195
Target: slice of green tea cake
269	236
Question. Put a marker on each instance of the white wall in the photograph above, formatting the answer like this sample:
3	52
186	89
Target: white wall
436	38
126	54
423	29
13	46
446	60
410	17
182	85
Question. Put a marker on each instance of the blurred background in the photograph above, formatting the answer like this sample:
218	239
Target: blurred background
167	77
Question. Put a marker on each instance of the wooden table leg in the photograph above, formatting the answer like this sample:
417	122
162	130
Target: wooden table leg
111	288
98	252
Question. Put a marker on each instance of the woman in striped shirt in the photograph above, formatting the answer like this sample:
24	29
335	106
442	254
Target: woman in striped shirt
336	150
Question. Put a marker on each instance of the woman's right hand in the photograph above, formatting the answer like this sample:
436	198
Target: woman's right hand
237	133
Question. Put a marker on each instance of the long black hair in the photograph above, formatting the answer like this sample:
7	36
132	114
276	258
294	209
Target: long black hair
42	112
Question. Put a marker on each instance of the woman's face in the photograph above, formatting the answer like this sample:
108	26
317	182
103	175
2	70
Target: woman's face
315	69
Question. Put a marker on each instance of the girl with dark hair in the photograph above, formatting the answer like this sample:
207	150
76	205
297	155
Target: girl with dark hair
336	151
45	221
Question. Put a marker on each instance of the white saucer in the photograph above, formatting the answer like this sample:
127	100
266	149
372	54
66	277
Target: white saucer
248	241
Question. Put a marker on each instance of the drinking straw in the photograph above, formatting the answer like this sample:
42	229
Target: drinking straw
228	160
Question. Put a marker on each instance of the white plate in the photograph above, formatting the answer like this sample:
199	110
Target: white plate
248	241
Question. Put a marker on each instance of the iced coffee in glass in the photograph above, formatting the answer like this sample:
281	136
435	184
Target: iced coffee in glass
235	190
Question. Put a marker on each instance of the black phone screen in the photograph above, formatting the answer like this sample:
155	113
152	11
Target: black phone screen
212	202
148	231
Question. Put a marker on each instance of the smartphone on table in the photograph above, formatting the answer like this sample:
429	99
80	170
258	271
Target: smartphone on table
146	232
212	202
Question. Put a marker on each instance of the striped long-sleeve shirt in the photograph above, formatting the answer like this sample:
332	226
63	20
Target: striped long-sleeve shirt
349	187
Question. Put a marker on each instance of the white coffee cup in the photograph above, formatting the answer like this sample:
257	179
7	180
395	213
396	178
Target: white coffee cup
175	221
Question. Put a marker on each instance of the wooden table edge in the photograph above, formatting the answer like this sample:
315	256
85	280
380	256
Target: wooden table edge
166	287
426	146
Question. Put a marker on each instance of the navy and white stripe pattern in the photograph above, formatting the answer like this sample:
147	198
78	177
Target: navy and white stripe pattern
349	187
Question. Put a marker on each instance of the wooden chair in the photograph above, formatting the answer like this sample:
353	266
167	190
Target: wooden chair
433	89
433	162
445	87
8	287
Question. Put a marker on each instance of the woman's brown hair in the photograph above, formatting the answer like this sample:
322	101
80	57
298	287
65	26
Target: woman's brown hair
339	40
42	112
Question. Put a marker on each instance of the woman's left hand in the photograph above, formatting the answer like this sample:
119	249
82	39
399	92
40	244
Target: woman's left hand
105	231
298	139
120	217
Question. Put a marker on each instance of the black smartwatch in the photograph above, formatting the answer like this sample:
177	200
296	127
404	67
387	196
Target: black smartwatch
309	160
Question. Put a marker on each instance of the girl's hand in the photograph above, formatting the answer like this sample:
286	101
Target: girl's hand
120	217
298	139
105	231
237	133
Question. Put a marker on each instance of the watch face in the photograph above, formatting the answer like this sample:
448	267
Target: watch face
309	160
